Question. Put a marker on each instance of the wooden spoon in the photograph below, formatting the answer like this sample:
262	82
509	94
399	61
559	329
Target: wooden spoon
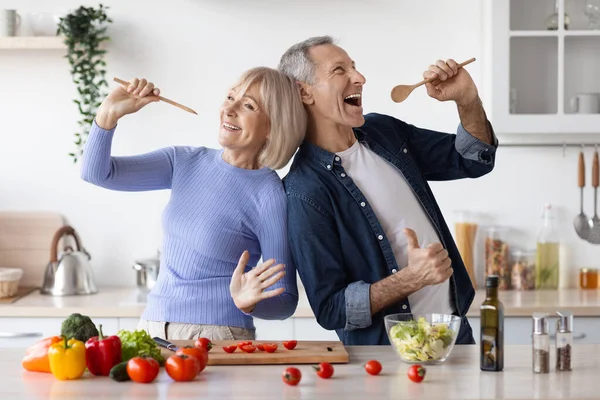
401	92
125	83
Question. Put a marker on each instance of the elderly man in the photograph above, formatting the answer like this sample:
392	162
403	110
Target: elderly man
366	233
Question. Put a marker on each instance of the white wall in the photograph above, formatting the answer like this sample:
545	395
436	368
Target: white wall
193	50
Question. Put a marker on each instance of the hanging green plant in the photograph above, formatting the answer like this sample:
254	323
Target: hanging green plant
84	30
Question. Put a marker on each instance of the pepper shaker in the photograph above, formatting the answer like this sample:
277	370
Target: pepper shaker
564	340
541	344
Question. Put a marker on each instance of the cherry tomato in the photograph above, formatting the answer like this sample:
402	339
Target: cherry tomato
260	346
373	367
182	368
248	348
292	376
241	344
199	353
324	370
203	343
416	373
230	349
142	369
270	347
290	344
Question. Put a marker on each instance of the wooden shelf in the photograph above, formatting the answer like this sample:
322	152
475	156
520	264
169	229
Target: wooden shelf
32	43
586	33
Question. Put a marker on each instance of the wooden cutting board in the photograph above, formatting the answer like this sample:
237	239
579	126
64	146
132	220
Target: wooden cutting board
306	352
25	240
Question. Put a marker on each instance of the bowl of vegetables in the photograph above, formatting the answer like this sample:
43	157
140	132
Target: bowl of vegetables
423	338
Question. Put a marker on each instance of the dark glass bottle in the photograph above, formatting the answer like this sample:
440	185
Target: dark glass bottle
492	328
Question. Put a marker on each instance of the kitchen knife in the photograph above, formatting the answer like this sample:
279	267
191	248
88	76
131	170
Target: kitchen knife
165	343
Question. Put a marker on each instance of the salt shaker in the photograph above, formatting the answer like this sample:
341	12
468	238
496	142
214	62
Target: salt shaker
541	344
564	340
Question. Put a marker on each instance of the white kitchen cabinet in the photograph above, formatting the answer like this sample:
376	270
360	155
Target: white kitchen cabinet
309	329
23	332
517	330
274	330
534	73
129	324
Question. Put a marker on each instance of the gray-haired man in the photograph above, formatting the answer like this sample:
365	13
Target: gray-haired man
366	233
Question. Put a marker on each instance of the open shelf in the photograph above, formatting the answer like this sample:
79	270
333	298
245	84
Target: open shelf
32	43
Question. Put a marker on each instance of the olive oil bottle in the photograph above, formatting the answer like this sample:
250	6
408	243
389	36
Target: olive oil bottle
492	328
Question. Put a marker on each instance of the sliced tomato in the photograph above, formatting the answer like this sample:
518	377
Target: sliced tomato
270	347
248	348
290	344
260	346
230	349
241	344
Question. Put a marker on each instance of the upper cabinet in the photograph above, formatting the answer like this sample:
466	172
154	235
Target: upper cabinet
544	72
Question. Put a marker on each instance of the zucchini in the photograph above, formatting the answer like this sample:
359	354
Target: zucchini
119	372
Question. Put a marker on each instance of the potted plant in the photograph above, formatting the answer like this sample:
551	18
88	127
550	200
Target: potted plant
84	30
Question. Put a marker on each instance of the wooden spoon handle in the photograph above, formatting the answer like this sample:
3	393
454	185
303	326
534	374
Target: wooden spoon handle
125	83
595	170
581	171
462	64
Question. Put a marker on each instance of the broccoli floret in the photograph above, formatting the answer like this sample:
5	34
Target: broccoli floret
79	327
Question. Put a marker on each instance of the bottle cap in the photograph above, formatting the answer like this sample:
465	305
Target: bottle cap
492	281
540	324
565	321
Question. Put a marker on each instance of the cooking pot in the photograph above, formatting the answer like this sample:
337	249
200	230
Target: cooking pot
147	272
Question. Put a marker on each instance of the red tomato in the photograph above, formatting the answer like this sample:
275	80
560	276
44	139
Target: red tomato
292	376
290	344
230	349
203	343
270	347
373	367
182	368
199	353
416	373
324	370
248	348
241	344
260	346
142	369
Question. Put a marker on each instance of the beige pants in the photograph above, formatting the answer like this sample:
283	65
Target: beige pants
178	331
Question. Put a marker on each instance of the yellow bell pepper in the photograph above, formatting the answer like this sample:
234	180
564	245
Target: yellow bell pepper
67	359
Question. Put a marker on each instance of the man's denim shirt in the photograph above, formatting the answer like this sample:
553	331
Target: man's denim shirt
339	246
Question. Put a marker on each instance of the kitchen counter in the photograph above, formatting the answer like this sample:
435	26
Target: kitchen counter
459	378
583	303
108	302
124	302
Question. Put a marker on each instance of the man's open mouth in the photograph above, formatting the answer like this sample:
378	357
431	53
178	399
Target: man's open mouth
354	99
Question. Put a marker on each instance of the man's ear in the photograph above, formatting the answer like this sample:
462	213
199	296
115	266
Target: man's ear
305	93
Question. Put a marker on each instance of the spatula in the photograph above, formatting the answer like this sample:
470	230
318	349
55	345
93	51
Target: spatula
594	236
125	83
581	223
401	92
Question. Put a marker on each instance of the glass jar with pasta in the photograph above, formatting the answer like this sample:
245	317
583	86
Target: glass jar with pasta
497	255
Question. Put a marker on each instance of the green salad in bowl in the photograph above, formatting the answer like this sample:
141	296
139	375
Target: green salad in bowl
424	339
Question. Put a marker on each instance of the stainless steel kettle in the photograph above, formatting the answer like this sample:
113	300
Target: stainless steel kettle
71	274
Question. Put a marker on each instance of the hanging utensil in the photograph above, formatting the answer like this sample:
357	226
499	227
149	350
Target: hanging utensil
401	92
581	222
594	236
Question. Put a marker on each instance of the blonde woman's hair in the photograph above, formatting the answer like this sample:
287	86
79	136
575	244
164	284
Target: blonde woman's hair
280	98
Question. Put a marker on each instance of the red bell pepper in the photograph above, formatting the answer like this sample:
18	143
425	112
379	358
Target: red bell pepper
102	353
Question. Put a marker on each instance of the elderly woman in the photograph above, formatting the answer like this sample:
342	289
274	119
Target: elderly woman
224	203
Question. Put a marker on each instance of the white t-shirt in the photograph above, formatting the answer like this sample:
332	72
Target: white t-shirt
396	207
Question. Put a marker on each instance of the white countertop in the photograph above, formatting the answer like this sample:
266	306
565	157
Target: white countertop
108	302
124	302
459	378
